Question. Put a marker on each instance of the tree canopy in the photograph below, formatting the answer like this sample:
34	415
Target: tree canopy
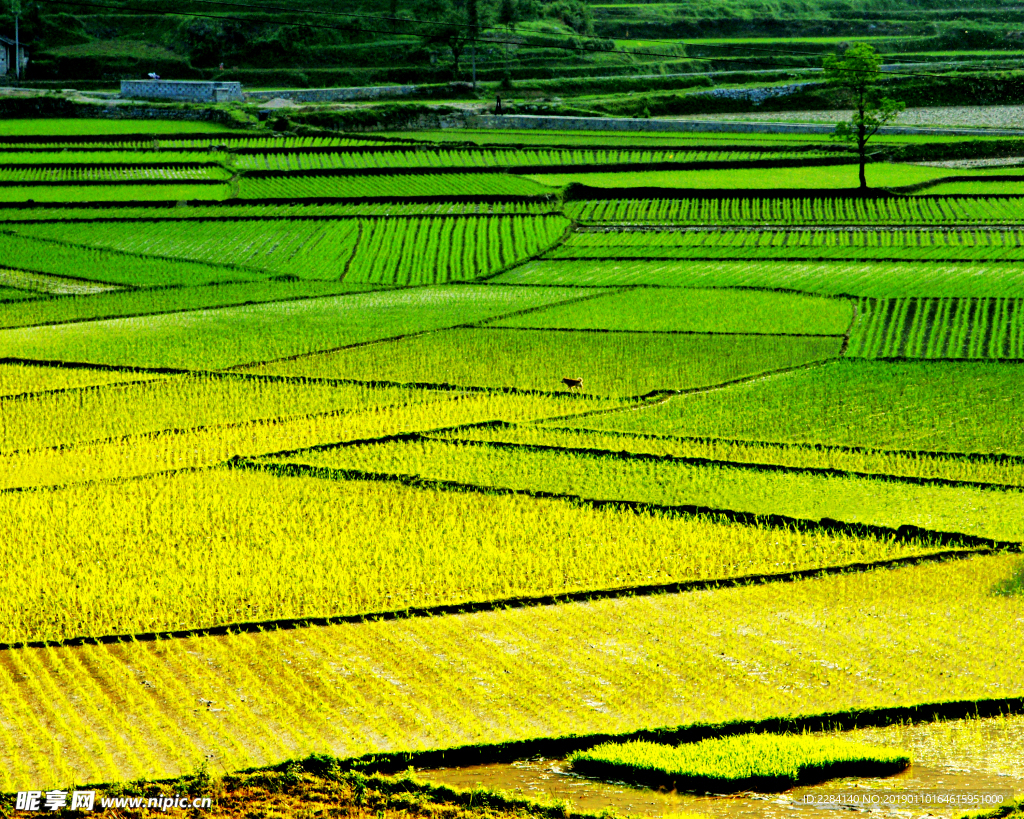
857	75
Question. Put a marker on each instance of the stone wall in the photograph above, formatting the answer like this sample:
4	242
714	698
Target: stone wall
334	94
182	90
514	122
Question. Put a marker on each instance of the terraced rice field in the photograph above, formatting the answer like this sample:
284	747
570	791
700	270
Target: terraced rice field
421	452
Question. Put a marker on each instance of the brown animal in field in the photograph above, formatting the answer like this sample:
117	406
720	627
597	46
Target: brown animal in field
573	383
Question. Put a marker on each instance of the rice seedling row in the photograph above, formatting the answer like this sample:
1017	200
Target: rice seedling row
939	328
609	364
769	651
11	294
108	303
913	464
23	378
465	159
342	548
45	256
104	175
399	187
240	211
418	250
997	513
868	278
694	310
52	158
820	243
176	402
758	211
235	336
163	451
858	403
819	179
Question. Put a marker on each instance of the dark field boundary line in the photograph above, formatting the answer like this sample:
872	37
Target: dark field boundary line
85	183
767	258
748	466
659	332
521	601
303	379
157	433
979	457
576	191
664	395
906	533
552	168
945	229
560	747
340	217
588	225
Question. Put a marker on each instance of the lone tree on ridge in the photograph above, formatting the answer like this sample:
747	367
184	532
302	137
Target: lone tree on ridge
857	74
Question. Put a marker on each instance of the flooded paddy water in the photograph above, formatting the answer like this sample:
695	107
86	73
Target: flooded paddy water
966	757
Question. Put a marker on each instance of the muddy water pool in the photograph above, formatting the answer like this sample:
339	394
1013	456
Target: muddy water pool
963	756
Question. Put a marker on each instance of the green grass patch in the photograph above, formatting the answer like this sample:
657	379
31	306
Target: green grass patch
53	257
89	127
166	300
995	514
696	311
8	294
813	456
881	175
609	363
396	185
113	193
218	338
938	406
868	278
175	403
909	244
762	762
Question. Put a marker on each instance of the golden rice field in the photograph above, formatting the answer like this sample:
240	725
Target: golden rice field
633	493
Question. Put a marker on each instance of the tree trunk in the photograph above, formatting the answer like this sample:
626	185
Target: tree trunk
862	151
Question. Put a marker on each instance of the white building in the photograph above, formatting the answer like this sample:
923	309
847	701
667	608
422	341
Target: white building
7	57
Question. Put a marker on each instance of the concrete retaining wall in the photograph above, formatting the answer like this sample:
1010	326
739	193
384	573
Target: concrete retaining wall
181	90
334	94
524	122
